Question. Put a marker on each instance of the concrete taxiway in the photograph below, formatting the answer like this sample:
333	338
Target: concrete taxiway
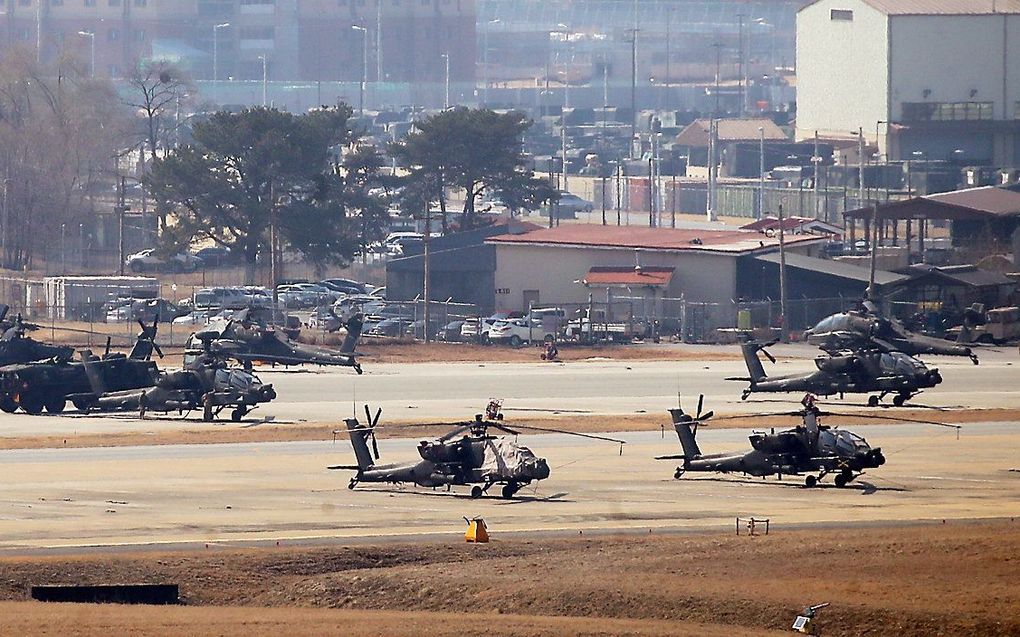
450	391
238	493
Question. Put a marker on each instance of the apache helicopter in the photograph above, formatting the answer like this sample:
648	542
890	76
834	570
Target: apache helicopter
807	448
207	383
49	383
861	372
15	347
468	454
867	330
249	341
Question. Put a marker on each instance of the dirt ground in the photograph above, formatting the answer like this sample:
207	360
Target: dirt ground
927	579
204	433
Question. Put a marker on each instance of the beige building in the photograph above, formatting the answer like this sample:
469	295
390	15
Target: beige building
565	264
926	79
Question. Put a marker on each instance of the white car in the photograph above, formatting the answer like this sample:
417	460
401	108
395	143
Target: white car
517	332
147	261
198	317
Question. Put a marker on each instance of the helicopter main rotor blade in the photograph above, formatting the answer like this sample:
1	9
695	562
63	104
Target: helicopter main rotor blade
892	418
450	435
701	403
503	428
571	433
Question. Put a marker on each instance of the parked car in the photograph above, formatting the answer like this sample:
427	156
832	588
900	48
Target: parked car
146	310
379	291
451	332
570	204
215	256
416	329
476	328
517	332
195	317
148	261
391	327
221	298
348	286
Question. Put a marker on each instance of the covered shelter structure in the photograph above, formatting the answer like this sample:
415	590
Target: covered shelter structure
987	216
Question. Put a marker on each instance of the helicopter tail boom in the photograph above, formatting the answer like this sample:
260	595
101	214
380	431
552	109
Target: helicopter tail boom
359	440
682	424
754	366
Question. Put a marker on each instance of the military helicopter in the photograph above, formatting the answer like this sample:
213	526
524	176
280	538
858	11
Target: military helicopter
207	382
15	347
860	372
468	454
49	383
807	448
857	330
249	341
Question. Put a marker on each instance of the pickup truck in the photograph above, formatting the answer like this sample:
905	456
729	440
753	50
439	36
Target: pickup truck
584	331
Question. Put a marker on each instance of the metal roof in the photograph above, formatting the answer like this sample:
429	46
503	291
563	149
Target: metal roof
838	269
633	276
730	130
642	238
965	274
941	7
972	203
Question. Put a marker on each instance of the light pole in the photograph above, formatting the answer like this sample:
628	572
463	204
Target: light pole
216	49
265	81
364	68
633	81
485	60
816	159
761	172
92	46
446	98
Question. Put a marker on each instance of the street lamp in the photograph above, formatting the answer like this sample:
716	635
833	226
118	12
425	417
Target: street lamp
364	67
485	60
216	49
761	172
265	81
446	61
92	45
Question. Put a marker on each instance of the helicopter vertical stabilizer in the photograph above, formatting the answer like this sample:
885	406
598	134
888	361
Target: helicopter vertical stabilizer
359	439
754	366
682	424
354	326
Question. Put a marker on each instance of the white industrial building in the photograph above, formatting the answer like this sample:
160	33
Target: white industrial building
925	79
566	264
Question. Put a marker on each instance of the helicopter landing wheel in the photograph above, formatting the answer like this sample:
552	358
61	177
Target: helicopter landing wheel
238	414
810	482
842	479
899	399
56	404
81	405
353	483
679	473
509	490
7	404
358	369
476	492
31	403
872	401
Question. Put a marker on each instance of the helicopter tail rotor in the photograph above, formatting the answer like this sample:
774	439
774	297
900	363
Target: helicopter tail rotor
371	424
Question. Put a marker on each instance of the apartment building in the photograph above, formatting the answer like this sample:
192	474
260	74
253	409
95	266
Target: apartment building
310	40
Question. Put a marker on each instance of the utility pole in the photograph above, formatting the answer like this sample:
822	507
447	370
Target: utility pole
816	159
446	100
669	34
425	267
120	209
860	162
784	336
3	228
761	172
265	81
563	148
364	68
378	45
272	244
633	86
713	133
718	70
740	61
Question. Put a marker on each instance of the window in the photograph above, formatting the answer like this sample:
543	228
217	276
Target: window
90	3
843	15
140	35
946	111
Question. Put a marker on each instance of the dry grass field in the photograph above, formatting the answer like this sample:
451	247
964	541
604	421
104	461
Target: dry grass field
920	580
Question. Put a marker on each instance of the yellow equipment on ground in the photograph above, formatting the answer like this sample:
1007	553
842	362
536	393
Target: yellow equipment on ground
476	531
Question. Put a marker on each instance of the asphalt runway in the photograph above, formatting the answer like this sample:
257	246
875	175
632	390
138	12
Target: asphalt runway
191	495
452	391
